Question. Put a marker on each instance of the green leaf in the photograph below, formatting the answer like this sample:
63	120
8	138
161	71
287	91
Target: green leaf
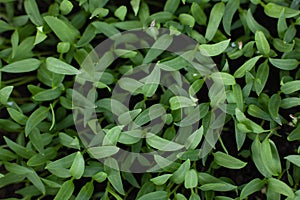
63	47
290	102
281	24
63	30
240	135
191	179
112	136
35	118
194	140
59	67
68	141
186	19
47	95
225	78
171	5
66	190
77	167
100	177
32	11
285	64
179	175
36	140
135	4
161	143
214	49
103	151
194	117
26	65
161	44
295	159
65	7
221	187
5	93
228	161
151	82
290	87
230	8
114	176
254	26
178	102
247	66
36	181
262	43
257	157
18	149
273	107
86	191
280	187
283	46
198	13
160	180
215	18
105	28
261	78
121	12
251	187
238	96
270	157
257	112
274	10
157	195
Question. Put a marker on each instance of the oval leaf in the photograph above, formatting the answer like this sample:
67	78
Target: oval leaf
59	67
228	161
